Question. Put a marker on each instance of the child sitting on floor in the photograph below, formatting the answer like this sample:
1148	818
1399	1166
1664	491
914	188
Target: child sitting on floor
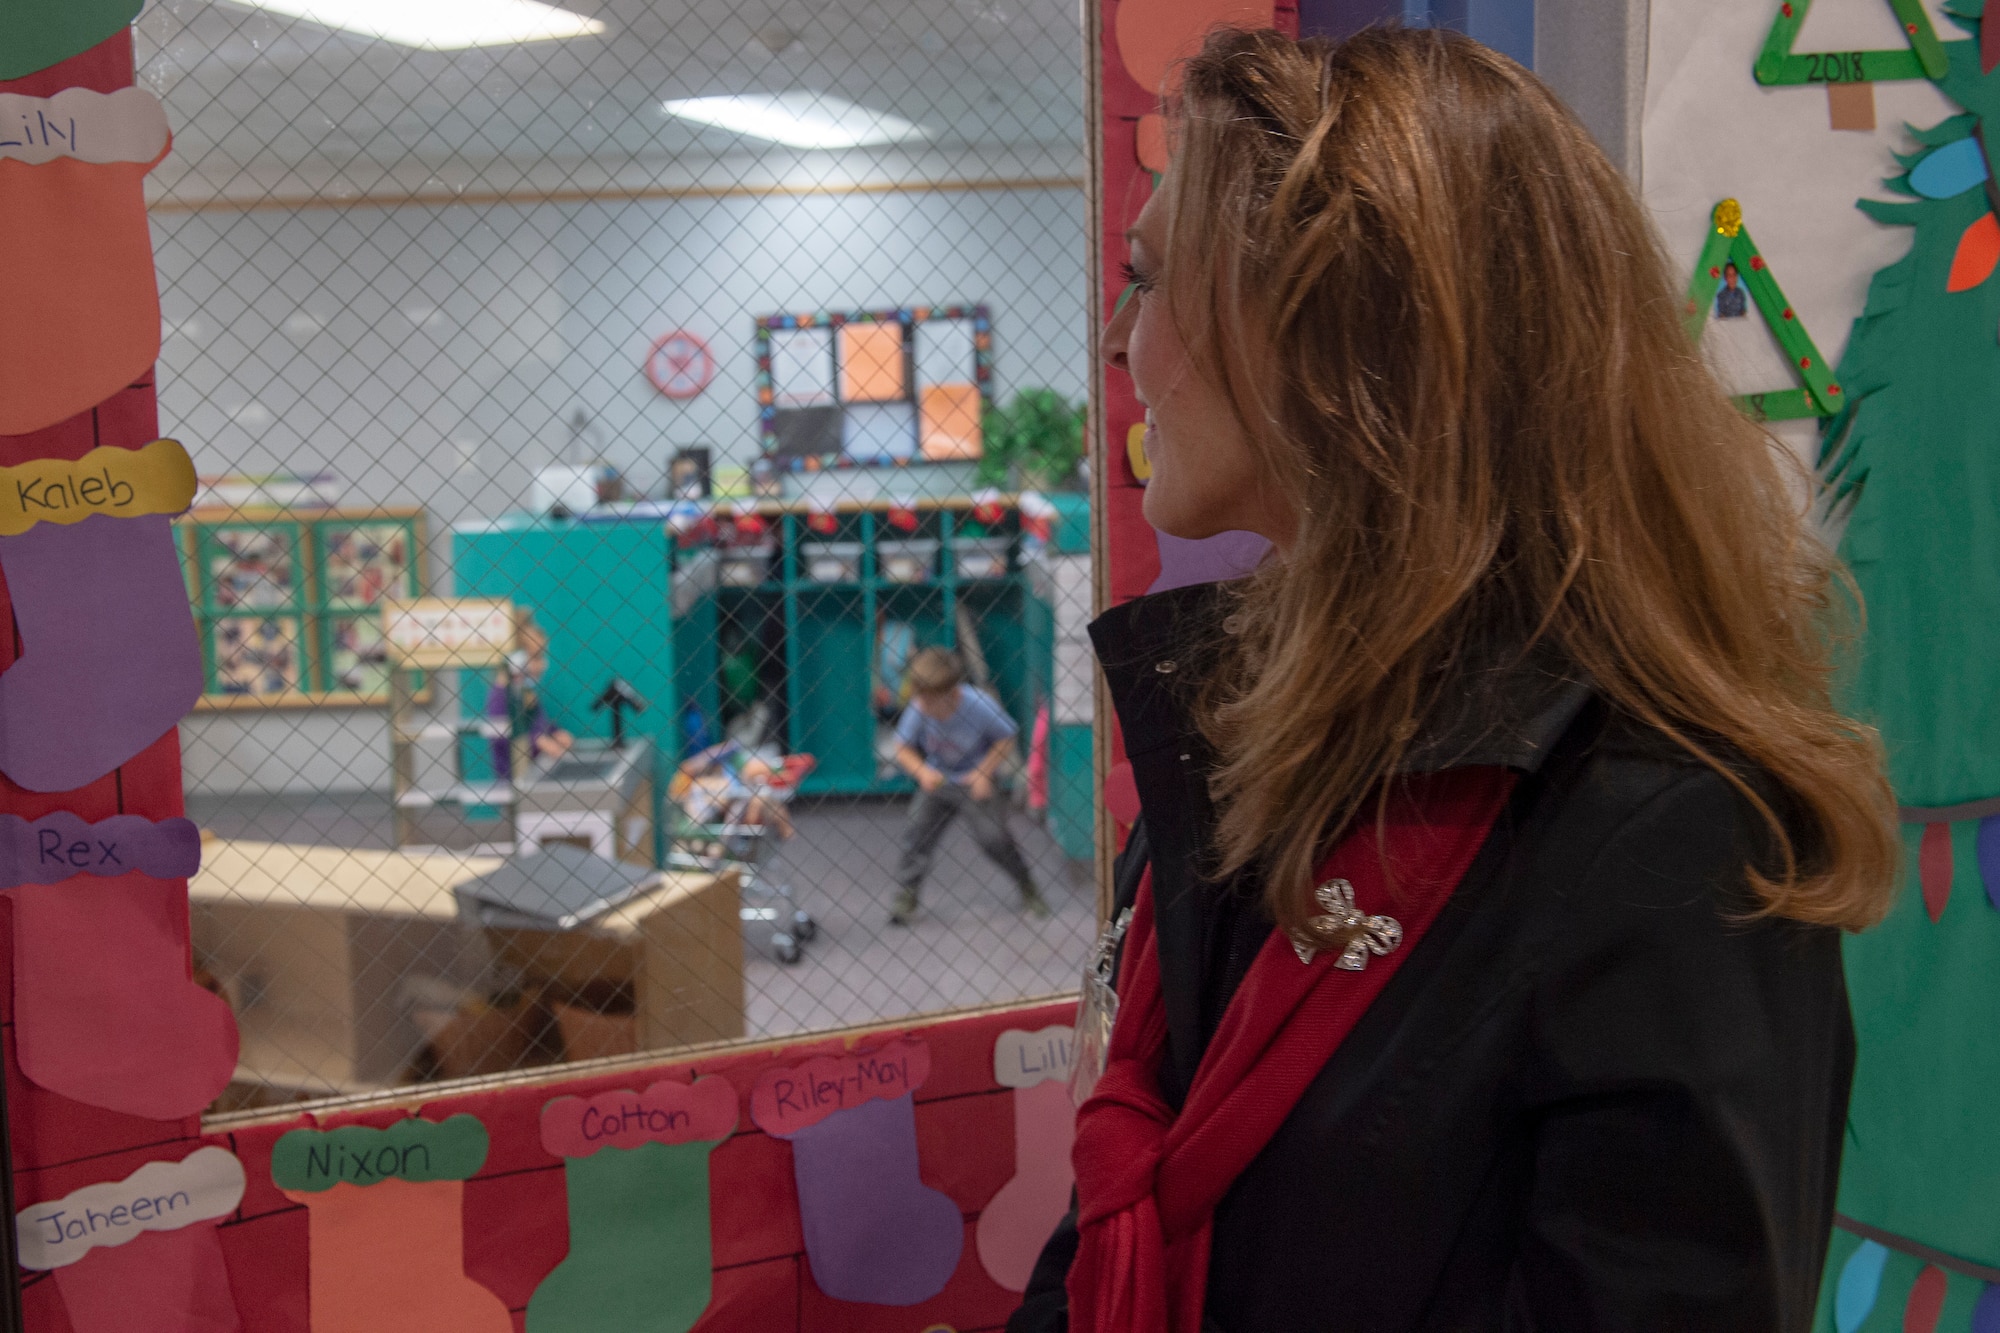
952	741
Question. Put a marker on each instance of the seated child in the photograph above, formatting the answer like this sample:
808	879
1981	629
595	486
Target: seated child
516	695
726	784
953	739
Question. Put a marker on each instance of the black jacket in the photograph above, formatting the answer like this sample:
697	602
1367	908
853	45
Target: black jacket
1595	1097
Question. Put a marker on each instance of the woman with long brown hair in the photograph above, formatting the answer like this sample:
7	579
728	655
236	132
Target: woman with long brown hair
1481	968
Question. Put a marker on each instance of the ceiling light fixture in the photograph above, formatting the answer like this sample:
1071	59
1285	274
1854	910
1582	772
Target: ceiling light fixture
798	119
440	25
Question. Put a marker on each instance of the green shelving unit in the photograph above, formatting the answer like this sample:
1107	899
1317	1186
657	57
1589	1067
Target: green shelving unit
602	591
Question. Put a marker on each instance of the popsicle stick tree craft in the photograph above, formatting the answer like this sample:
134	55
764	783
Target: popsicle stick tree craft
1729	243
1923	58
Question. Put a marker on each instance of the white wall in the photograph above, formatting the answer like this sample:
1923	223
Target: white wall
434	355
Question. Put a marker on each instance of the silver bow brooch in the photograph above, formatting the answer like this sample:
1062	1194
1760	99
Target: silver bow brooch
1377	934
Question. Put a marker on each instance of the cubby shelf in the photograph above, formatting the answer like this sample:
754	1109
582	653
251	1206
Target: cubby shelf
602	591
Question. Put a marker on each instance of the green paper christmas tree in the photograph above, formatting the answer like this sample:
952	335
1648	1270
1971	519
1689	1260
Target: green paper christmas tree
1913	457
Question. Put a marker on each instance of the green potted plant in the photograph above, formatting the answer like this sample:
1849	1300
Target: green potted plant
1036	441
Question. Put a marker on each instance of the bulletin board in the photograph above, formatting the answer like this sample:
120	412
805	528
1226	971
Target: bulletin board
899	1177
1850	137
1133	51
902	386
287	602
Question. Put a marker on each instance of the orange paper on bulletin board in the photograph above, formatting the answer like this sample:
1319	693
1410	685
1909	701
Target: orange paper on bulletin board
950	421
871	364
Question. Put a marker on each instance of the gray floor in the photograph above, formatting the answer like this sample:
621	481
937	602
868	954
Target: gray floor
970	945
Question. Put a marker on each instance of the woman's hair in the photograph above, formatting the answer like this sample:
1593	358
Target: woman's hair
1451	336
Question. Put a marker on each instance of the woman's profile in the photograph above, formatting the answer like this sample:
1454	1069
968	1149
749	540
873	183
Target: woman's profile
1481	965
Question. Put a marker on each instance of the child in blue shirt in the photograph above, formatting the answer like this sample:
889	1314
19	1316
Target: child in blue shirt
952	739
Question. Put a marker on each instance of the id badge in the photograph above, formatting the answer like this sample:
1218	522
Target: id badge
1097	1012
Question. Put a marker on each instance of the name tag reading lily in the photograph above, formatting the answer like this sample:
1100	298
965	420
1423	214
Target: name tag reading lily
1023	1059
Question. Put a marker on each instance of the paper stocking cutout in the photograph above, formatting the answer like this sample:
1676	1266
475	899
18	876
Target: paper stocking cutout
386	1226
84	316
390	1258
109	657
163	1282
874	1232
104	1012
140	1255
85	319
637	1174
1021	1217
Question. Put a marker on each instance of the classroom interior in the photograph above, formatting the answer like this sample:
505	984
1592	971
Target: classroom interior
597	409
738	357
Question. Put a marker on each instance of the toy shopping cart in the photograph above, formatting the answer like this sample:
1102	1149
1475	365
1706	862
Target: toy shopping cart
726	810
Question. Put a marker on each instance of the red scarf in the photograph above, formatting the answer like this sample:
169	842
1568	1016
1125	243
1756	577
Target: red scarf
1148	1180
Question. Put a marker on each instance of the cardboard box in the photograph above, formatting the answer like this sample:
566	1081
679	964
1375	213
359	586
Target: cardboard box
345	966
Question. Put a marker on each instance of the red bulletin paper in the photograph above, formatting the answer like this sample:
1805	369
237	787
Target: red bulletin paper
516	1223
60	1143
1128	92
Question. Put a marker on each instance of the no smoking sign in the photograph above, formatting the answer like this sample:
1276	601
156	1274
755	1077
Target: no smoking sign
680	365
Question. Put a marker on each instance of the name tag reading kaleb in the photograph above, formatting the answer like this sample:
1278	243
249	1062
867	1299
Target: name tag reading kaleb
120	483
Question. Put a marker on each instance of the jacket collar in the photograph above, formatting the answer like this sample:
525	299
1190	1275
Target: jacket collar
1507	709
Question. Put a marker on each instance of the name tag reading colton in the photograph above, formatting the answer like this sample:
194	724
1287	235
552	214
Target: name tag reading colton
667	1112
121	483
159	1196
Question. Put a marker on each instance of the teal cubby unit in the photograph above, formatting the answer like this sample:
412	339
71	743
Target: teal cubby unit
1072	523
697	664
603	592
831	717
1072	803
599	591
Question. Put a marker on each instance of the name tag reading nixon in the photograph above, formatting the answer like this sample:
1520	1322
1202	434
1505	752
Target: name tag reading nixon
123	483
311	1160
159	1196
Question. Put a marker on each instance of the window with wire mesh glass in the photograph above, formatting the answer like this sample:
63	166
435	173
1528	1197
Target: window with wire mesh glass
641	558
